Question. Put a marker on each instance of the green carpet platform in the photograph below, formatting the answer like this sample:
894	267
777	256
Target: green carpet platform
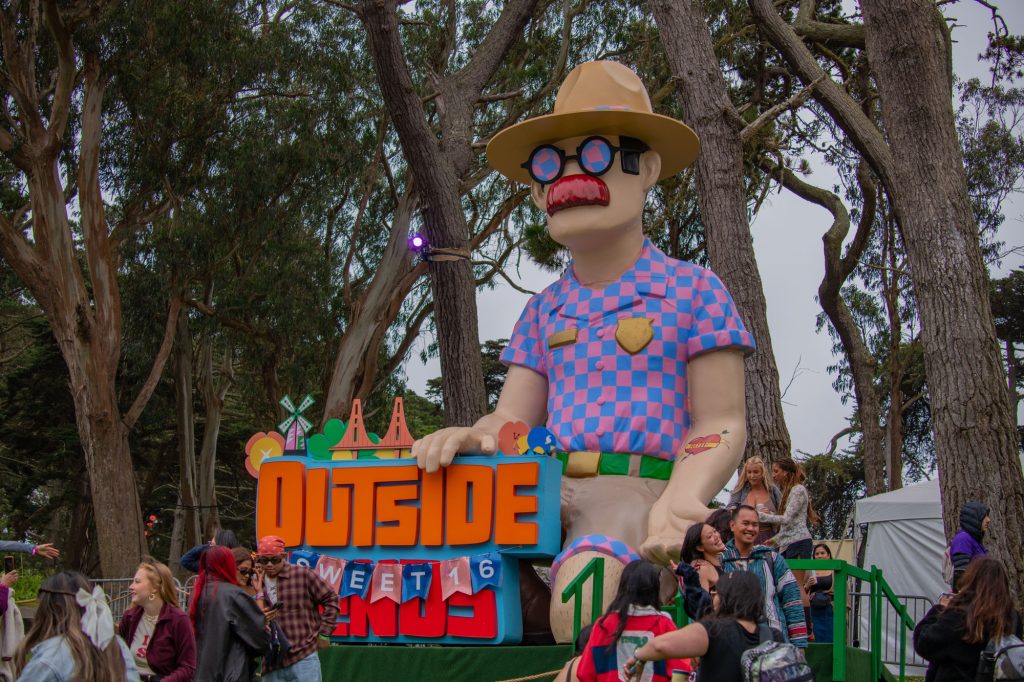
495	663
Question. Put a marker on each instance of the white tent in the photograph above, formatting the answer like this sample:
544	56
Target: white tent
905	539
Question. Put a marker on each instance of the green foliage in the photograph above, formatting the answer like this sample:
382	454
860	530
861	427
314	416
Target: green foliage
494	374
835	483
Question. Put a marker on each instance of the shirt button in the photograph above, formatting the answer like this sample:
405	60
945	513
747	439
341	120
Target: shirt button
600	400
599	364
600	333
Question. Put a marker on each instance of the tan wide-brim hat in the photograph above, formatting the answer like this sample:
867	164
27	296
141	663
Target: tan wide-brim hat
597	98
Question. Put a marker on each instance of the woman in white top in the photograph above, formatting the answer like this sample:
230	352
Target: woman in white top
794	538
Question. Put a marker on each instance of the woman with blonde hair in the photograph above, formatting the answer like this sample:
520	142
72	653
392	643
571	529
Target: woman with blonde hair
72	636
158	633
753	489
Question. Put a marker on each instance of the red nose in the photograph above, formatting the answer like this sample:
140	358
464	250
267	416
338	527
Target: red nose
577	190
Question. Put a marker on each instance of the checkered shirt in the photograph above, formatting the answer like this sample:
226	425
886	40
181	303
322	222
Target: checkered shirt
601	397
309	608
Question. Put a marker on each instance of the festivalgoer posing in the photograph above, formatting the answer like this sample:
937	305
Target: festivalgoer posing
702	549
72	636
718	640
157	632
230	628
967	543
782	607
952	635
308	612
754	490
794	538
819	585
631	619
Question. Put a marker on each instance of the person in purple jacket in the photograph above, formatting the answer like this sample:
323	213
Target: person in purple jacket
967	543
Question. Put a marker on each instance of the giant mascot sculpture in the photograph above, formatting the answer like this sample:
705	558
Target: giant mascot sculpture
632	359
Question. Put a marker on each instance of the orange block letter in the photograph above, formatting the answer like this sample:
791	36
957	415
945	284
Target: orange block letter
280	501
508	530
469	507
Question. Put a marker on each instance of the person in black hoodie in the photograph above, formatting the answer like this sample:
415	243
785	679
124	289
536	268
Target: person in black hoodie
967	543
955	631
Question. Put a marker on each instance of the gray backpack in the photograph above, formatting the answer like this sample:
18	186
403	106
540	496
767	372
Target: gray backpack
1003	660
772	661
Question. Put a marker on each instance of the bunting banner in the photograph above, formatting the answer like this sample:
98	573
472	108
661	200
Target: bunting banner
331	569
356	578
485	570
416	580
301	557
387	582
455	577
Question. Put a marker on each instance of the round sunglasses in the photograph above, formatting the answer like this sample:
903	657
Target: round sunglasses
594	155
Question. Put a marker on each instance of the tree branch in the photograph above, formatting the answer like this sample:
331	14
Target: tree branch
133	413
774	112
834	99
845	35
66	72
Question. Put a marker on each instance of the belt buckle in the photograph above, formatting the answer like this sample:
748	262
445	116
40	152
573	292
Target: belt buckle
582	464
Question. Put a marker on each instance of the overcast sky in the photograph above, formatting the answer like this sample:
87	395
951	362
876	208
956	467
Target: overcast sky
787	240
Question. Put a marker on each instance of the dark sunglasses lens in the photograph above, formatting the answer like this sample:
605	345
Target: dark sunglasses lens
595	155
545	164
245	571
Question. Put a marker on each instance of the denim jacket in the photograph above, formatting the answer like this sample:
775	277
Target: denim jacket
51	661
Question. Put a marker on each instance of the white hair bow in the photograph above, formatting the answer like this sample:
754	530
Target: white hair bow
97	621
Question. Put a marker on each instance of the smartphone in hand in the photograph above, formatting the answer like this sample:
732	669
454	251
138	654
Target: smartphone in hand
8	564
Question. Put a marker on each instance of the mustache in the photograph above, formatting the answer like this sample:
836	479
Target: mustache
576	190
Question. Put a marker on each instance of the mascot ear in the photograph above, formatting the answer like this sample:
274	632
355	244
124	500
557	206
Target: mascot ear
539	194
650	168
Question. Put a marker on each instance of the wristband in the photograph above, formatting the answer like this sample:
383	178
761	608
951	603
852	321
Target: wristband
259	595
34	550
327	637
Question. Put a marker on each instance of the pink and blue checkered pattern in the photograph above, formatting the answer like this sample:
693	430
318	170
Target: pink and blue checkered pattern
595	542
599	396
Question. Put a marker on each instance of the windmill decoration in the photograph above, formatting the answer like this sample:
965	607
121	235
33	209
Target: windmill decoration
295	426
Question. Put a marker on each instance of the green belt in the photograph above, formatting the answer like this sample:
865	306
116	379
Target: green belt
617	464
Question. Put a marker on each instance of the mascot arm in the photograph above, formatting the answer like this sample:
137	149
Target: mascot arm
711	451
523	399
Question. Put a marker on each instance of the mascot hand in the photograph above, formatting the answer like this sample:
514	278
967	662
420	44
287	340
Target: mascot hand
439	448
662	549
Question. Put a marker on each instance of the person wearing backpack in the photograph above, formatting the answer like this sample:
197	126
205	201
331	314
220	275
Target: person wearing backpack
725	640
955	632
967	543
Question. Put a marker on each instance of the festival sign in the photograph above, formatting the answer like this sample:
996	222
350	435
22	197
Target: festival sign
414	557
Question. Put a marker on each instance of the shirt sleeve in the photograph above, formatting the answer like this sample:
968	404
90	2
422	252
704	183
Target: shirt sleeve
796	506
716	322
12	546
526	347
327	598
789	599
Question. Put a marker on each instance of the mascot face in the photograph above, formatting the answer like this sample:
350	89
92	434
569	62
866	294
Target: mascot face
593	188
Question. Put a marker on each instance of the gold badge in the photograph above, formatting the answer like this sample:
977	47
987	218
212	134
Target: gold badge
562	338
634	333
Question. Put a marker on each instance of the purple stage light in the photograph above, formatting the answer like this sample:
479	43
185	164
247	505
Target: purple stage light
417	243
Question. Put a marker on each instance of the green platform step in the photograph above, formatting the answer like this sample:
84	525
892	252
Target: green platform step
494	663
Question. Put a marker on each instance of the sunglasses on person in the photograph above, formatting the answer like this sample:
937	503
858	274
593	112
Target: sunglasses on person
246	572
594	155
276	559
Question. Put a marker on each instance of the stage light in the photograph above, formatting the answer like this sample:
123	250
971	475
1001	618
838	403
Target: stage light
417	243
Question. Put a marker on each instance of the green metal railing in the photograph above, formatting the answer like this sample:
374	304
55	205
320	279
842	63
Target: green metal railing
879	589
841	572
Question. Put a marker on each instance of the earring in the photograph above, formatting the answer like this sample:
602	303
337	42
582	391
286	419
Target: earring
152	597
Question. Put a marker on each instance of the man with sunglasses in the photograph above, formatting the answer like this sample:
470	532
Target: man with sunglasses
307	612
633	359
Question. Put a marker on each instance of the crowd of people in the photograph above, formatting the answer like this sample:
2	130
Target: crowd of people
254	613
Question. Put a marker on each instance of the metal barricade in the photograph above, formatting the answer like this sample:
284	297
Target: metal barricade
120	597
857	626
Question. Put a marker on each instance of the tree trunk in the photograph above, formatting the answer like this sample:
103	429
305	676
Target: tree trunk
723	205
185	533
838	268
975	435
355	363
214	390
